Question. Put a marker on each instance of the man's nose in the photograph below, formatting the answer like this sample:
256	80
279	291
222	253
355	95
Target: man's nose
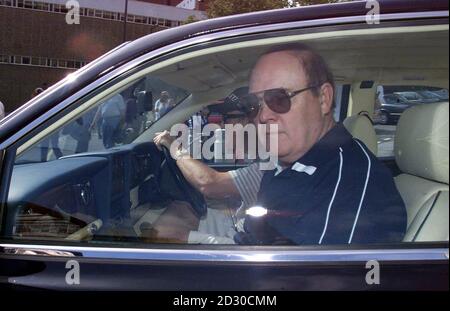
266	115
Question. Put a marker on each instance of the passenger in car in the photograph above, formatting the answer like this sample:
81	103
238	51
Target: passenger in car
328	188
241	184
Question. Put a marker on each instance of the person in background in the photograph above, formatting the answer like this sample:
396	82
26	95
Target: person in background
2	110
109	117
137	104
163	105
51	142
79	131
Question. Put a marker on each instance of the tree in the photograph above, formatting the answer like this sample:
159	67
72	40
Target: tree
217	8
190	19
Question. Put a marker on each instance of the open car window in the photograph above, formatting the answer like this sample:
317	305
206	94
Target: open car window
93	174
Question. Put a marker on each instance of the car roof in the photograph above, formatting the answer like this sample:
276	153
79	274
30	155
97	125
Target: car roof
163	38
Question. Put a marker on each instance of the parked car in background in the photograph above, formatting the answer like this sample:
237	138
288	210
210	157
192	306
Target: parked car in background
390	107
442	94
430	97
412	97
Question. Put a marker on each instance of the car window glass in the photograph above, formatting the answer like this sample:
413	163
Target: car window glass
391	101
217	120
115	121
324	187
216	115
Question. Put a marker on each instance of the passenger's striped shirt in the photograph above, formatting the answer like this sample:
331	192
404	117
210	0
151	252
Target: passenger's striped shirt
248	181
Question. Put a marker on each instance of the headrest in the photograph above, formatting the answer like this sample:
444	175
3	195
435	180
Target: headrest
361	128
421	142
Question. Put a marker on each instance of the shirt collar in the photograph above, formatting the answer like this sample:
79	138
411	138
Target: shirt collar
322	152
298	167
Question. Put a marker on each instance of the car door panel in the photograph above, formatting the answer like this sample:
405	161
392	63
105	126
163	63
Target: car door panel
113	274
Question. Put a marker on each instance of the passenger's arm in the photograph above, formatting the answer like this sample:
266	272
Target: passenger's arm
211	183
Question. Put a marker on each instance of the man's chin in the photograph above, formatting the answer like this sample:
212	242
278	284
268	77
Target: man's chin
283	156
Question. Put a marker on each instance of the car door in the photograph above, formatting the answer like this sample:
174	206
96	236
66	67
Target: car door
67	199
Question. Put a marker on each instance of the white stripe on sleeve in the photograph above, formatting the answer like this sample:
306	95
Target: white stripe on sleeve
363	195
334	195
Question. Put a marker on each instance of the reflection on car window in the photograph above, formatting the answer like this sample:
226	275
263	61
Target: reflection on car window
108	175
391	101
113	122
218	115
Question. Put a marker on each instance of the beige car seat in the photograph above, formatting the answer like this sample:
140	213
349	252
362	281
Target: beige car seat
422	154
361	128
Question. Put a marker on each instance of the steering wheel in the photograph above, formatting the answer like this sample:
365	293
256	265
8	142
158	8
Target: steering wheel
193	196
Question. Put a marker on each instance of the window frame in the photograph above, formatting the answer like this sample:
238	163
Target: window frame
401	252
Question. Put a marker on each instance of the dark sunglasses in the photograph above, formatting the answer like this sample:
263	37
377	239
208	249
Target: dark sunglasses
278	100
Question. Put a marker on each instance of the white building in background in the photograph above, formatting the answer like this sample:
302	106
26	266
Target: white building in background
138	11
38	44
187	4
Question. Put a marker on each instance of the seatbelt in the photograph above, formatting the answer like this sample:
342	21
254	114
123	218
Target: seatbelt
366	114
426	217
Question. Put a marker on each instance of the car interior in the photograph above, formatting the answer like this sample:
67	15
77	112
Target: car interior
116	194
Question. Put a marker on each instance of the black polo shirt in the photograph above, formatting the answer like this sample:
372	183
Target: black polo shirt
345	196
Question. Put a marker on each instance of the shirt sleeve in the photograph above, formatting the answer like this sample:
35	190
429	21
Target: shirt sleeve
248	181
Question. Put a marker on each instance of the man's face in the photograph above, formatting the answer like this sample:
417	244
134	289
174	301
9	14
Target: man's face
301	127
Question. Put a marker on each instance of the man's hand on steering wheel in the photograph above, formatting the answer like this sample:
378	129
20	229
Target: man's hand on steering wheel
163	141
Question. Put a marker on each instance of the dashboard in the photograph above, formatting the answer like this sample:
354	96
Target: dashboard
58	198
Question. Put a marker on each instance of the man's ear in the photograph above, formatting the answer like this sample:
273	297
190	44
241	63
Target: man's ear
326	98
